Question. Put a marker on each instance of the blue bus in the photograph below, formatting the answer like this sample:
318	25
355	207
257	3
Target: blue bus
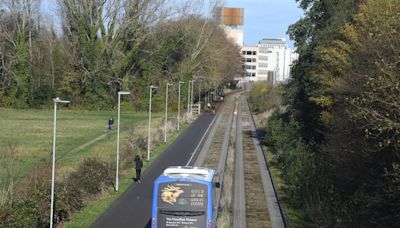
183	197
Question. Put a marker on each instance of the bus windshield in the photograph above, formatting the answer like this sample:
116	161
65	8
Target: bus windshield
182	204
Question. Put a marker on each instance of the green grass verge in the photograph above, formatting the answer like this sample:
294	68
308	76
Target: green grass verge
94	209
30	132
294	216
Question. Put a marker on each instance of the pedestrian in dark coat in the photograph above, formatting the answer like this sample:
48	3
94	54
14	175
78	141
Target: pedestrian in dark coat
110	123
138	167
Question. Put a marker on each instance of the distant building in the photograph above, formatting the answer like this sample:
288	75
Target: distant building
235	35
269	61
249	62
275	60
231	19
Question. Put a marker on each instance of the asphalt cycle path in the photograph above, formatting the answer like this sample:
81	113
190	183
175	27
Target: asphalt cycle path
133	208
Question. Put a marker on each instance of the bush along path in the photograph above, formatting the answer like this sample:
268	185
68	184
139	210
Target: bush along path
92	181
96	208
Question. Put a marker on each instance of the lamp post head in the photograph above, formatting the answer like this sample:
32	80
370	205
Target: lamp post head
153	87
57	100
124	93
181	82
169	84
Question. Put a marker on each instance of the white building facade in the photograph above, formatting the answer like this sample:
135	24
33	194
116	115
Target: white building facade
270	61
234	34
275	60
249	62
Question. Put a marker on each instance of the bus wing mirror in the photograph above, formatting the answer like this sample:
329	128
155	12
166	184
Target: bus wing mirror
217	185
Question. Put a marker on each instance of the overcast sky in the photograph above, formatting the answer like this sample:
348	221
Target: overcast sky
266	18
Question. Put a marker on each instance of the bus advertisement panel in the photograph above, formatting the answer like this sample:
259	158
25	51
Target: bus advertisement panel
182	204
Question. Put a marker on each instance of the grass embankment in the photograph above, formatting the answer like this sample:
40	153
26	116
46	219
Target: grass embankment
26	138
94	209
294	217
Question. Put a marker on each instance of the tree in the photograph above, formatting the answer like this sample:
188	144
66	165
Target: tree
364	72
16	39
343	113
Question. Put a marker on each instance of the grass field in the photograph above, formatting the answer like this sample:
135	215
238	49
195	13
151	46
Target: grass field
26	138
96	208
26	144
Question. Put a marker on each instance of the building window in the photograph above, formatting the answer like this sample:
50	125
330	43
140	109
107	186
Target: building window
249	60
253	67
248	53
270	74
254	52
253	74
243	52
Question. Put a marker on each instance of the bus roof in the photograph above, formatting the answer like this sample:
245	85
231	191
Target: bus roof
189	172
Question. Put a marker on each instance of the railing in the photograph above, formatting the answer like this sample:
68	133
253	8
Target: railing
195	109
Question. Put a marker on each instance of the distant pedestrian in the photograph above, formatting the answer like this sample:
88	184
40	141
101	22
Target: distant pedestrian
110	123
138	167
208	105
213	109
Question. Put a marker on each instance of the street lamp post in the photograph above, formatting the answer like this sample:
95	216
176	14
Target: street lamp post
148	138
56	100
179	102
216	91
191	97
188	98
119	109
166	112
199	97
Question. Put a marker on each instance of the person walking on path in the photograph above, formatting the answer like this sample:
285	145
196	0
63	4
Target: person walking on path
138	167
110	123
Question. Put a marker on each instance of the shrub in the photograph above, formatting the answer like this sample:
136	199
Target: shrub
264	96
23	214
31	205
297	160
4	213
92	176
68	199
34	200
